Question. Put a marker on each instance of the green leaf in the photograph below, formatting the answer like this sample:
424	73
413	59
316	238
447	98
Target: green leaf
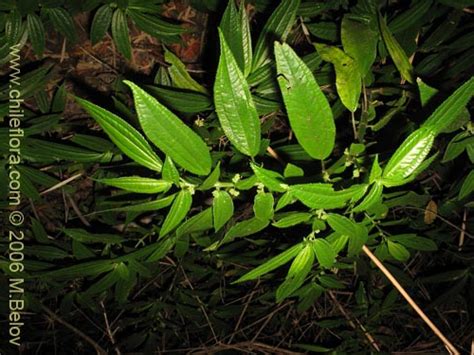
457	145
414	242
138	184
292	170
276	28
242	229
323	196
308	109
348	77
36	33
411	17
82	236
324	252
180	99
13	27
398	251
263	205
270	179
467	186
170	134
170	173
101	23
212	179
426	91
197	223
234	104
154	25
341	224
236	30
373	197
409	156
179	209
86	269
272	264
120	33
362	51
63	22
180	76
292	219
125	137
375	171
451	108
396	52
299	269
222	208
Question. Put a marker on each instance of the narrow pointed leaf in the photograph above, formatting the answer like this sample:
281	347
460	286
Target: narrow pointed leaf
170	173
36	33
276	28
179	209
138	184
120	33
409	156
234	104
180	76
170	134
324	196
308	109
449	110
272	264
125	137
396	52
101	23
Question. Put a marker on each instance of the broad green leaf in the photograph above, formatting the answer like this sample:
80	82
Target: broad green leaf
222	208
170	134
414	242
36	33
234	104
179	209
450	109
197	223
323	196
348	77
398	251
310	115
62	22
362	51
272	264
299	269
325	30
276	28
269	178
101	23
120	33
341	224
85	237
263	205
170	173
408	157
396	52
138	184
154	25
292	219
467	186
236	30
325	254
125	137
426	91
212	179
457	145
180	76
357	240
161	249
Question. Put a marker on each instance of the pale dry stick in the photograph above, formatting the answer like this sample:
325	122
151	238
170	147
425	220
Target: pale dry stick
463	230
275	155
78	211
109	331
63	51
354	127
410	301
60	184
351	322
88	339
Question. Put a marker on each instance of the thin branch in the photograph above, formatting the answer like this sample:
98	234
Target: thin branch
410	301
88	339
